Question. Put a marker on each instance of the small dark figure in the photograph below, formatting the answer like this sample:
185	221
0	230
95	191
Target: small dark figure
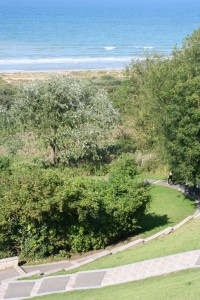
186	188
170	177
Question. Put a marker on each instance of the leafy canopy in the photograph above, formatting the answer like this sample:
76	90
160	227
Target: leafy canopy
70	116
165	99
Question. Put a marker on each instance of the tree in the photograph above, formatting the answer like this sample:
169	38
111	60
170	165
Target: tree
165	98
181	126
70	116
7	96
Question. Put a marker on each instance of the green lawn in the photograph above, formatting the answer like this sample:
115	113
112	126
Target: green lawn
154	176
182	285
168	207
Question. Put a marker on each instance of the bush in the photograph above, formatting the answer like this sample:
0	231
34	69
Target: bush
48	211
124	166
4	163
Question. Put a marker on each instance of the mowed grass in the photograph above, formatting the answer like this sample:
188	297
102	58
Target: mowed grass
168	207
182	285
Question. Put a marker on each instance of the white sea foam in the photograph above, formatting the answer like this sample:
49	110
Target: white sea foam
109	48
147	47
64	60
143	47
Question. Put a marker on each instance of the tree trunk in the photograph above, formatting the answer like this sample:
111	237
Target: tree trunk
53	151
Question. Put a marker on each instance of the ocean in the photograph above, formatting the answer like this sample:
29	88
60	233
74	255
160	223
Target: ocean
50	35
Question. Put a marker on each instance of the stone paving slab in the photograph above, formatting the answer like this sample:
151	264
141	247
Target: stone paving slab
8	273
198	262
19	290
89	279
47	267
53	285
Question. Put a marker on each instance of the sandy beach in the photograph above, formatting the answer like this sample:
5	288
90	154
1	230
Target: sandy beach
29	76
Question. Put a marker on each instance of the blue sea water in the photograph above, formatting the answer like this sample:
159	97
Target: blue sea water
44	35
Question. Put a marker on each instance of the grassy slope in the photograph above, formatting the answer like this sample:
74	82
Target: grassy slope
177	286
168	207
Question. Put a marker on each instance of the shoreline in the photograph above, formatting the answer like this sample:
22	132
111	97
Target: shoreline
27	76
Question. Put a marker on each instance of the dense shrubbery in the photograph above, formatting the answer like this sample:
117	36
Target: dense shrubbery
46	212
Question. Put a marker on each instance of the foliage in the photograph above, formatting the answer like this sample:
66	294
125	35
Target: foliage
182	126
48	211
7	94
164	94
12	143
7	98
70	116
162	213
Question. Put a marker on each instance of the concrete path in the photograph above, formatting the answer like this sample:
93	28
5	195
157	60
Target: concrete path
11	289
100	278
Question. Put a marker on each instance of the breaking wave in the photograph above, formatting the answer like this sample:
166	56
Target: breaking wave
64	60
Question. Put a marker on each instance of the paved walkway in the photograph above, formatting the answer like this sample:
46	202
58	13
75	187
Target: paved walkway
11	289
100	278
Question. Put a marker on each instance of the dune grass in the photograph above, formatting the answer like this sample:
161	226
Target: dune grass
182	285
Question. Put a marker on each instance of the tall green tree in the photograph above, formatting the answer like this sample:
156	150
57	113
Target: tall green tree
70	116
181	126
165	98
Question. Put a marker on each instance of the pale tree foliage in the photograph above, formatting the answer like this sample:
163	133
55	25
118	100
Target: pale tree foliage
70	116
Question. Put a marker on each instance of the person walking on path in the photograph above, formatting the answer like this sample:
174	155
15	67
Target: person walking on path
170	178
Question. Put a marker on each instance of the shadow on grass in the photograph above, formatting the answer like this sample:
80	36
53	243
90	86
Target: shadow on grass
192	197
151	221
